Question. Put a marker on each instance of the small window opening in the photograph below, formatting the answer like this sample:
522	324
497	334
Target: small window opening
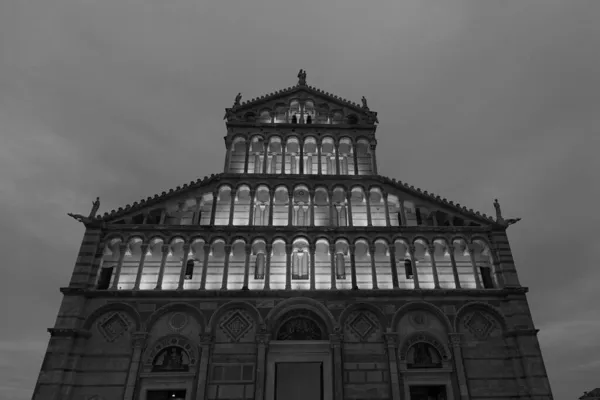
189	269
105	275
408	268
486	277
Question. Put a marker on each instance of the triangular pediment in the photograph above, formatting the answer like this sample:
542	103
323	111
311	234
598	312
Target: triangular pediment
325	108
182	202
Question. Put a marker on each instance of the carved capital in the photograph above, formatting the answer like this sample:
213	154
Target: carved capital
412	249
248	248
206	338
138	339
122	247
144	247
186	248
455	339
165	248
263	339
335	341
391	339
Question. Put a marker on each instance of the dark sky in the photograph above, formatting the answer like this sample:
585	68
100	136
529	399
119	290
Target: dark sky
477	99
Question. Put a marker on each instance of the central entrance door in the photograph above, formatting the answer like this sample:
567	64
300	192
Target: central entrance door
299	370
299	381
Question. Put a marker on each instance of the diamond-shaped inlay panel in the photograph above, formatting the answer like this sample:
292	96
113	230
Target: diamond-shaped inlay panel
362	326
113	327
479	325
235	326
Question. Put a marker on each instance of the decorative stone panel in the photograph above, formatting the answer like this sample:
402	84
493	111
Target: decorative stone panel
362	326
113	326
479	324
423	337
236	324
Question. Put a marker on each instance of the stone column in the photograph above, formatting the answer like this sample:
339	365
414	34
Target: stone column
213	211
368	201
228	142
391	341
312	247
206	345
402	213
373	146
262	344
198	212
411	252
288	267
333	266
138	277
312	207
206	249
351	248
246	160
248	248
497	269
319	144
269	249
471	250
349	199
335	342
232	198
138	342
186	250
226	268
355	158
453	263
331	206
392	250
122	250
161	272
252	206
436	279
266	156
456	344
98	260
336	145
387	208
290	208
373	269
301	161
272	197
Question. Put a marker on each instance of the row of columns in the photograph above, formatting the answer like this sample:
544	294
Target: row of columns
289	250
372	146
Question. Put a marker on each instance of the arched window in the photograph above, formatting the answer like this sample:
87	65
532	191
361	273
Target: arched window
300	264
423	355
171	359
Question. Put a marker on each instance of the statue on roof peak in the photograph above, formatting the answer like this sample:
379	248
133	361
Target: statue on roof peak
238	98
302	77
364	103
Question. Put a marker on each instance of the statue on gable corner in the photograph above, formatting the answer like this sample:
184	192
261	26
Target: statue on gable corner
302	77
364	103
238	99
91	216
506	222
95	207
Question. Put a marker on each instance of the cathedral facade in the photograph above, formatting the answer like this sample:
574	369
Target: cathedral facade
300	269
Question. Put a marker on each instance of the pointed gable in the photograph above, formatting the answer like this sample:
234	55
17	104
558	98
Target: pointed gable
300	101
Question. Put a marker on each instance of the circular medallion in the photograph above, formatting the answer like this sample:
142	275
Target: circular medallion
418	319
178	321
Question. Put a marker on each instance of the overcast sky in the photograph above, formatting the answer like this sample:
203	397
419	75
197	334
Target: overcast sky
123	99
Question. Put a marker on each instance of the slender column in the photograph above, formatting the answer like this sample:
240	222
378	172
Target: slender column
213	211
262	343
368	201
374	157
138	277
163	215
232	198
301	163
436	279
227	153
312	247
283	151
197	213
206	249
122	249
139	340
248	249
312	207
246	160
319	144
336	143
266	155
411	252
206	345
387	208
226	268
161	272
454	269
392	250
471	250
290	208
391	340
373	269
252	206
402	213
288	267
351	248
333	267
455	342
349	208
497	269
269	249
335	341
186	250
355	158
331	206
272	197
